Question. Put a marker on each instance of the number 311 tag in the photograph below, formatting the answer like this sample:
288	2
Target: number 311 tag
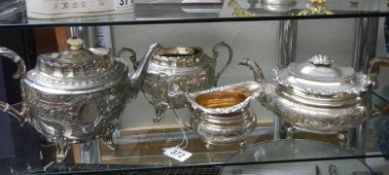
177	153
123	4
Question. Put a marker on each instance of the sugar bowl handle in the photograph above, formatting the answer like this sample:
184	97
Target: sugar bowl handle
20	73
216	54
374	69
132	58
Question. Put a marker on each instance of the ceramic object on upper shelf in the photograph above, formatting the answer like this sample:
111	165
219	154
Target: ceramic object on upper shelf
320	97
175	71
75	96
51	9
278	5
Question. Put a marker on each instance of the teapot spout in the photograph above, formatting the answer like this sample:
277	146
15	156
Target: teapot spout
137	78
264	96
19	115
258	73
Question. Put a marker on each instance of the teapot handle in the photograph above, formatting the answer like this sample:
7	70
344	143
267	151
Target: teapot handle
374	69
216	54
20	73
15	58
5	107
132	58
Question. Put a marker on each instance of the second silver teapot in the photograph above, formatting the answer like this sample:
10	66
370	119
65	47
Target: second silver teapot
172	72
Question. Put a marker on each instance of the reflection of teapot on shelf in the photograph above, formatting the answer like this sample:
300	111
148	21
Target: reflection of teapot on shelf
75	96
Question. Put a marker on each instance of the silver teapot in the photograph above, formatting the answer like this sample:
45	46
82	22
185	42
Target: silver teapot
172	72
75	96
320	97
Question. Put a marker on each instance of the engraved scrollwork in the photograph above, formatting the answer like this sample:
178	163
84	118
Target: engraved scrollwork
175	71
95	80
70	100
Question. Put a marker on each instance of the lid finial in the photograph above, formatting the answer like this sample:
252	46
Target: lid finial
75	43
321	60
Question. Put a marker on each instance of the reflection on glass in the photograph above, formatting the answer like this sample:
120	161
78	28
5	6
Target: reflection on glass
317	1
239	11
11	11
315	9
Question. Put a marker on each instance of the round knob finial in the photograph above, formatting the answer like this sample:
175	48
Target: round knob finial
75	43
321	60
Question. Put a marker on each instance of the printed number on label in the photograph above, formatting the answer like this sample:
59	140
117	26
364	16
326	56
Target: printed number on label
123	4
177	153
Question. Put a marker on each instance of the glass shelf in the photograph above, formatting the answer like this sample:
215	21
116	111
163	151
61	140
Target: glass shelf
143	151
13	13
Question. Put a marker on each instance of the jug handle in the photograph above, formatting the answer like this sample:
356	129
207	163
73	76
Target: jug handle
132	58
216	54
374	69
20	73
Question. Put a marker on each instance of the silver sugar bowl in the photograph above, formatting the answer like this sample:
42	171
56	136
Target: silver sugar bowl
75	96
223	115
172	72
320	97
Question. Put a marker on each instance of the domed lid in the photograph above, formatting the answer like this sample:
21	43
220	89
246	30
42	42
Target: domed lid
76	61
77	68
319	76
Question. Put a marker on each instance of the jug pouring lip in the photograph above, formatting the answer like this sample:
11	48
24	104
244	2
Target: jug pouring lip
241	95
